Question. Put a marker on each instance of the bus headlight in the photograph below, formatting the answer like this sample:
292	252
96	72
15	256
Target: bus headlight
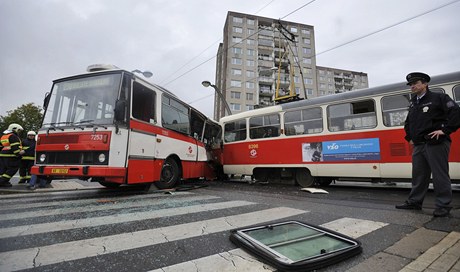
42	157
101	157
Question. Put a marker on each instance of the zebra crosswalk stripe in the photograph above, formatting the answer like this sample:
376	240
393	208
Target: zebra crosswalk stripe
68	251
239	260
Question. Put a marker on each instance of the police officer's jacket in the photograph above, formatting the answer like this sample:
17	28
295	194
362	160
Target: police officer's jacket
434	111
28	146
11	145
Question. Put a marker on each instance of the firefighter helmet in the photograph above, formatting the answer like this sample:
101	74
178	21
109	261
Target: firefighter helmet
31	133
15	127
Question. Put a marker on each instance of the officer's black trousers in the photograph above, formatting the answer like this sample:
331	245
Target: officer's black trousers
432	160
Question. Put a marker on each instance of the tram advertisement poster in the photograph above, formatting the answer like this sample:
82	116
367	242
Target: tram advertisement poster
346	150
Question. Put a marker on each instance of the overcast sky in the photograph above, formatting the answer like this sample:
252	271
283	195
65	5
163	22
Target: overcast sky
49	39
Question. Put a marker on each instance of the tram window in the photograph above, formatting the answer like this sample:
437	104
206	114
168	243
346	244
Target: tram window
353	115
395	109
264	126
235	131
456	92
143	103
175	115
306	121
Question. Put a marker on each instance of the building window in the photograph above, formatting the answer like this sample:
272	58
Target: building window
322	86
306	60
250	63
236	72
250	21
237	61
235	83
296	79
294	29
308	81
237	29
250	85
236	39
238	20
235	95
250	74
306	40
237	50
235	107
309	91
249	107
307	70
250	42
251	31
305	31
250	52
249	96
306	51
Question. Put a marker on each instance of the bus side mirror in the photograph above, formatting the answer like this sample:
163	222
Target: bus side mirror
120	110
46	101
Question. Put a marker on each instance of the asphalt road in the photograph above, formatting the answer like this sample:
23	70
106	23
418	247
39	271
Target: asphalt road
129	229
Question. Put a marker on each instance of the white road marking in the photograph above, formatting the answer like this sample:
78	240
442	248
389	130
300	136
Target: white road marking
45	255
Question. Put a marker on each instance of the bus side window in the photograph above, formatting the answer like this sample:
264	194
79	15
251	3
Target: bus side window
143	103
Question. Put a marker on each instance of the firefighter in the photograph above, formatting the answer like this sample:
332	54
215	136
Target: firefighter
28	159
10	154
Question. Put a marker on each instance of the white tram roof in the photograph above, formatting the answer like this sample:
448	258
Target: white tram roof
395	87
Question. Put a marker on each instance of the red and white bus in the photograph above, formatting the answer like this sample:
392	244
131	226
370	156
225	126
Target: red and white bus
111	126
353	135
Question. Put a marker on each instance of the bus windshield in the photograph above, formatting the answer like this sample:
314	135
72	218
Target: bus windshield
83	101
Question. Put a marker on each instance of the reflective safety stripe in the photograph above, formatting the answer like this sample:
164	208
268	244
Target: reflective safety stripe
8	155
28	158
6	176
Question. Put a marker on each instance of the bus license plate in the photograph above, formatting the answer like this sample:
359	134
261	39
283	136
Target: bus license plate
59	171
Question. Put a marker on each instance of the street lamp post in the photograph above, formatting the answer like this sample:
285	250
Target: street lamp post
218	92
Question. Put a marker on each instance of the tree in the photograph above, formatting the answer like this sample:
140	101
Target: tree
29	116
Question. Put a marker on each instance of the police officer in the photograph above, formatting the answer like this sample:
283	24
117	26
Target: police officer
10	154
431	119
28	158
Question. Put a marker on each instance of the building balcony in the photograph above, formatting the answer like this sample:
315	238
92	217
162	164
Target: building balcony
266	80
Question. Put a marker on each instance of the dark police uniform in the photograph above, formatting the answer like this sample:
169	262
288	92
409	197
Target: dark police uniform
433	111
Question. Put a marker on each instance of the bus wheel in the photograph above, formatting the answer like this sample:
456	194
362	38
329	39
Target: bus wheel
303	177
169	175
109	184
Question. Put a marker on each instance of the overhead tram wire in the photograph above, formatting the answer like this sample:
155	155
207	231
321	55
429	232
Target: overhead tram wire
387	27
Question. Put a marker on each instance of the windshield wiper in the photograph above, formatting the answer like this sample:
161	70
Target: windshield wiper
90	124
54	127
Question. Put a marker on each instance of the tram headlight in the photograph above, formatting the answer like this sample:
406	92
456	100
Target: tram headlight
42	157
101	157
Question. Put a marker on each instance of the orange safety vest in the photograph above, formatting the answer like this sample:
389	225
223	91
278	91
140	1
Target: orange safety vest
10	149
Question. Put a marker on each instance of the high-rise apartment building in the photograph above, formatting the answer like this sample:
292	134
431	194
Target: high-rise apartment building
261	58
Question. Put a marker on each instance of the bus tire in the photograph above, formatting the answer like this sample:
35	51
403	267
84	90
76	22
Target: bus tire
303	177
109	184
170	175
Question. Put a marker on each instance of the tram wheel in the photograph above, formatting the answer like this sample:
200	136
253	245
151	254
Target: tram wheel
169	175
303	177
323	181
261	175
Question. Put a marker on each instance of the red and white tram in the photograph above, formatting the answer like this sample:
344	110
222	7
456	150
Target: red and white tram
112	127
354	135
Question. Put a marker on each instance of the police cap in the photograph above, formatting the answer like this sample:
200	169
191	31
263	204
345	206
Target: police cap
415	76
